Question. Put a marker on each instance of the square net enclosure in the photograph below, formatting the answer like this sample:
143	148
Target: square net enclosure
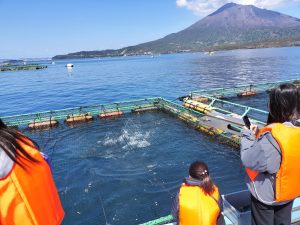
128	170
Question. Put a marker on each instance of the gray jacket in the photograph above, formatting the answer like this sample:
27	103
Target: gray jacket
6	164
262	155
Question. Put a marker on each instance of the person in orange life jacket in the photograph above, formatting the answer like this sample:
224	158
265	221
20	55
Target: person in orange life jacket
198	201
272	159
28	195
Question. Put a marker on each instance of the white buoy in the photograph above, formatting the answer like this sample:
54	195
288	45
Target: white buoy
69	65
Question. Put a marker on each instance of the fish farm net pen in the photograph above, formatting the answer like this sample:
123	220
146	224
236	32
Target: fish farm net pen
125	106
52	140
88	113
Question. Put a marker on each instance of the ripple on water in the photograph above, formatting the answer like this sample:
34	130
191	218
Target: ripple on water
133	166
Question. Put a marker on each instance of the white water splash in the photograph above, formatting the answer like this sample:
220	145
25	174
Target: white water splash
129	139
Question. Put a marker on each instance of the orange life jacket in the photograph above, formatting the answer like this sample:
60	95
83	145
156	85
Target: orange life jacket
28	195
196	207
288	175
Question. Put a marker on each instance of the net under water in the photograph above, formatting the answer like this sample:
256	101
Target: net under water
259	101
128	170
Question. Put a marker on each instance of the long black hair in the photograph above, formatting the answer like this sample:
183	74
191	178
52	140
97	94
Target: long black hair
11	143
283	103
199	171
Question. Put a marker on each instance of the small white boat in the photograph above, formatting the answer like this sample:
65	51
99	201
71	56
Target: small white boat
69	65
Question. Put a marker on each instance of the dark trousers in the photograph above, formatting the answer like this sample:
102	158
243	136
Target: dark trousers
262	214
220	220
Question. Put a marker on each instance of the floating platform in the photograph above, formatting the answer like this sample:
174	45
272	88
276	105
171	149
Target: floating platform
198	106
226	117
22	67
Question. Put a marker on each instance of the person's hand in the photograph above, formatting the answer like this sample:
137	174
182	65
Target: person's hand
254	128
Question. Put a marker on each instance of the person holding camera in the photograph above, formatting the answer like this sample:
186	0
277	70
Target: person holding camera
272	159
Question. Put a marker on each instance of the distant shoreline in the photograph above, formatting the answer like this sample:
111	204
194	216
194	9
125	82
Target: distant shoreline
227	48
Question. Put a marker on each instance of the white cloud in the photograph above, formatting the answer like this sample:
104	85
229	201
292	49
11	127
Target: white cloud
205	7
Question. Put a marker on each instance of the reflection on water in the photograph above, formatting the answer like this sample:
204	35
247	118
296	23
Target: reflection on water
70	71
128	170
115	79
132	136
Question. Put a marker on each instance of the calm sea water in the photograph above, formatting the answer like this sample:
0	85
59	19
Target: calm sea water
113	79
128	170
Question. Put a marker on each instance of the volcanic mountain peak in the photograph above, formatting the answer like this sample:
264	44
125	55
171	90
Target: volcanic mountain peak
246	17
231	26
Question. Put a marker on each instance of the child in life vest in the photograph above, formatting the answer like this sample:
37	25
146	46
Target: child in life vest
198	201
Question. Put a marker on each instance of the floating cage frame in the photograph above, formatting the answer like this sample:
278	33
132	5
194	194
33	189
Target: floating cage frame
240	90
94	110
203	120
14	67
198	120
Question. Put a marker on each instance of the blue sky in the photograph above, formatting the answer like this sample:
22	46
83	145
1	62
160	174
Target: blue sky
44	28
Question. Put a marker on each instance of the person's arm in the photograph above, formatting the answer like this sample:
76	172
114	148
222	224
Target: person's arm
262	155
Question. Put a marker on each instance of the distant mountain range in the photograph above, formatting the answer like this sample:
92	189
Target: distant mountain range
232	26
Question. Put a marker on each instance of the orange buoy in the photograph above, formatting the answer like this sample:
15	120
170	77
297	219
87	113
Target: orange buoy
198	106
111	114
75	118
246	93
188	105
43	125
201	99
144	109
